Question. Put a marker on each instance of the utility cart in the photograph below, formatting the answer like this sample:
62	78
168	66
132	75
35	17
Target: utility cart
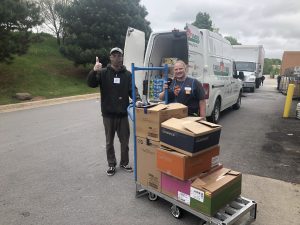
231	213
241	210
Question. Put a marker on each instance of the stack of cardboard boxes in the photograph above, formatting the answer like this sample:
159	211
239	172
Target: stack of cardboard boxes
179	157
148	122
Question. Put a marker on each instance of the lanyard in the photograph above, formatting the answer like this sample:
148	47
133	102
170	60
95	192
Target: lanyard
181	86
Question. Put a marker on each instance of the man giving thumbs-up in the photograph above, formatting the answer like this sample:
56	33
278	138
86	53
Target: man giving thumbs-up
115	88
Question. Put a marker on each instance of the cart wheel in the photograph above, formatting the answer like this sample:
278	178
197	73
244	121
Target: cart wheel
176	211
152	197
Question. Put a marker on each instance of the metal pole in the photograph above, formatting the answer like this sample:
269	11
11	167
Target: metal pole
134	123
166	81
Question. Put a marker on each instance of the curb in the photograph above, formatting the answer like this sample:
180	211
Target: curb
47	102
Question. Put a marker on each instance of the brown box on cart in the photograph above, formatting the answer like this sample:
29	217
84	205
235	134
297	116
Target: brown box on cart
148	120
185	167
210	193
147	174
189	137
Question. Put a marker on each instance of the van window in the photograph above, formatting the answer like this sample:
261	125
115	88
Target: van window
222	67
227	71
245	66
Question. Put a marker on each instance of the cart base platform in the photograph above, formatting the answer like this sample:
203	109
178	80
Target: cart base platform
235	211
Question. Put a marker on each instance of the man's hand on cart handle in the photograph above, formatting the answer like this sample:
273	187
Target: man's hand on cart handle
166	86
98	65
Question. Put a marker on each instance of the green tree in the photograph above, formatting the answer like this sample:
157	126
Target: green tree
17	17
94	26
232	40
203	21
270	66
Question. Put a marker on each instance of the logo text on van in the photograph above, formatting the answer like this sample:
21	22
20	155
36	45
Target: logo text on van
192	37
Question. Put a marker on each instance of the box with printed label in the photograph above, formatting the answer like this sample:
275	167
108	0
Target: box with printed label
189	137
175	188
147	174
212	192
185	167
179	189
148	120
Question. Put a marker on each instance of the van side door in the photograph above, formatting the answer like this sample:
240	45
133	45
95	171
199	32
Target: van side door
229	72
195	52
220	69
236	83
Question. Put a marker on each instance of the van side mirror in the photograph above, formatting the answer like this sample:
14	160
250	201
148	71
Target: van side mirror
241	75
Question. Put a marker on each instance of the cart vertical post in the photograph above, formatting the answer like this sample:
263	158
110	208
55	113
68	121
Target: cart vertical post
166	81
133	69
133	118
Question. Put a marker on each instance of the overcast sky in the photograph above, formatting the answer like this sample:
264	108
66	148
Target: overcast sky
275	24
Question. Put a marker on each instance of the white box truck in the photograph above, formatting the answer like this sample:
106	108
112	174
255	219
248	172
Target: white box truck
209	58
249	59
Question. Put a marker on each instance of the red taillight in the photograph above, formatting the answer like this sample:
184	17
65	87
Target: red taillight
206	90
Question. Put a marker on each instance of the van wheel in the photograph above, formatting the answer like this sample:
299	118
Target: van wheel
215	115
238	103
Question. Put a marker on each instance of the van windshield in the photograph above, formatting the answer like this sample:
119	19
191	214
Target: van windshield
245	66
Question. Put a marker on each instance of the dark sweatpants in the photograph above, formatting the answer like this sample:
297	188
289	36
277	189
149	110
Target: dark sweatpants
121	126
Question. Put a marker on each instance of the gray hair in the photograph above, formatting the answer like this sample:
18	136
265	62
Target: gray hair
182	63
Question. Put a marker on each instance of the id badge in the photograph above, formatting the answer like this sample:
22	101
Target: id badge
188	90
116	80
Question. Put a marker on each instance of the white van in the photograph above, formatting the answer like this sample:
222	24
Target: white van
209	60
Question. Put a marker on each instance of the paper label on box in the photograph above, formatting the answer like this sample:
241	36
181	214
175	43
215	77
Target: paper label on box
197	194
152	181
215	161
183	197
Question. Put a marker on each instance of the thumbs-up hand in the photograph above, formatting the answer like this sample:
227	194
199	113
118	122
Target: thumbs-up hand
98	65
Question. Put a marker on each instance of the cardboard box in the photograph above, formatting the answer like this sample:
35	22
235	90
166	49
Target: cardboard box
175	188
148	120
212	192
147	174
189	137
185	167
179	189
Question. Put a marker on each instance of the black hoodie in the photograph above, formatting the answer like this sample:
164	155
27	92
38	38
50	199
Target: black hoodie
115	89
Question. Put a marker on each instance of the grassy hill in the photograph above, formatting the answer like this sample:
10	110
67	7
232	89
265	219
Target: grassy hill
42	72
